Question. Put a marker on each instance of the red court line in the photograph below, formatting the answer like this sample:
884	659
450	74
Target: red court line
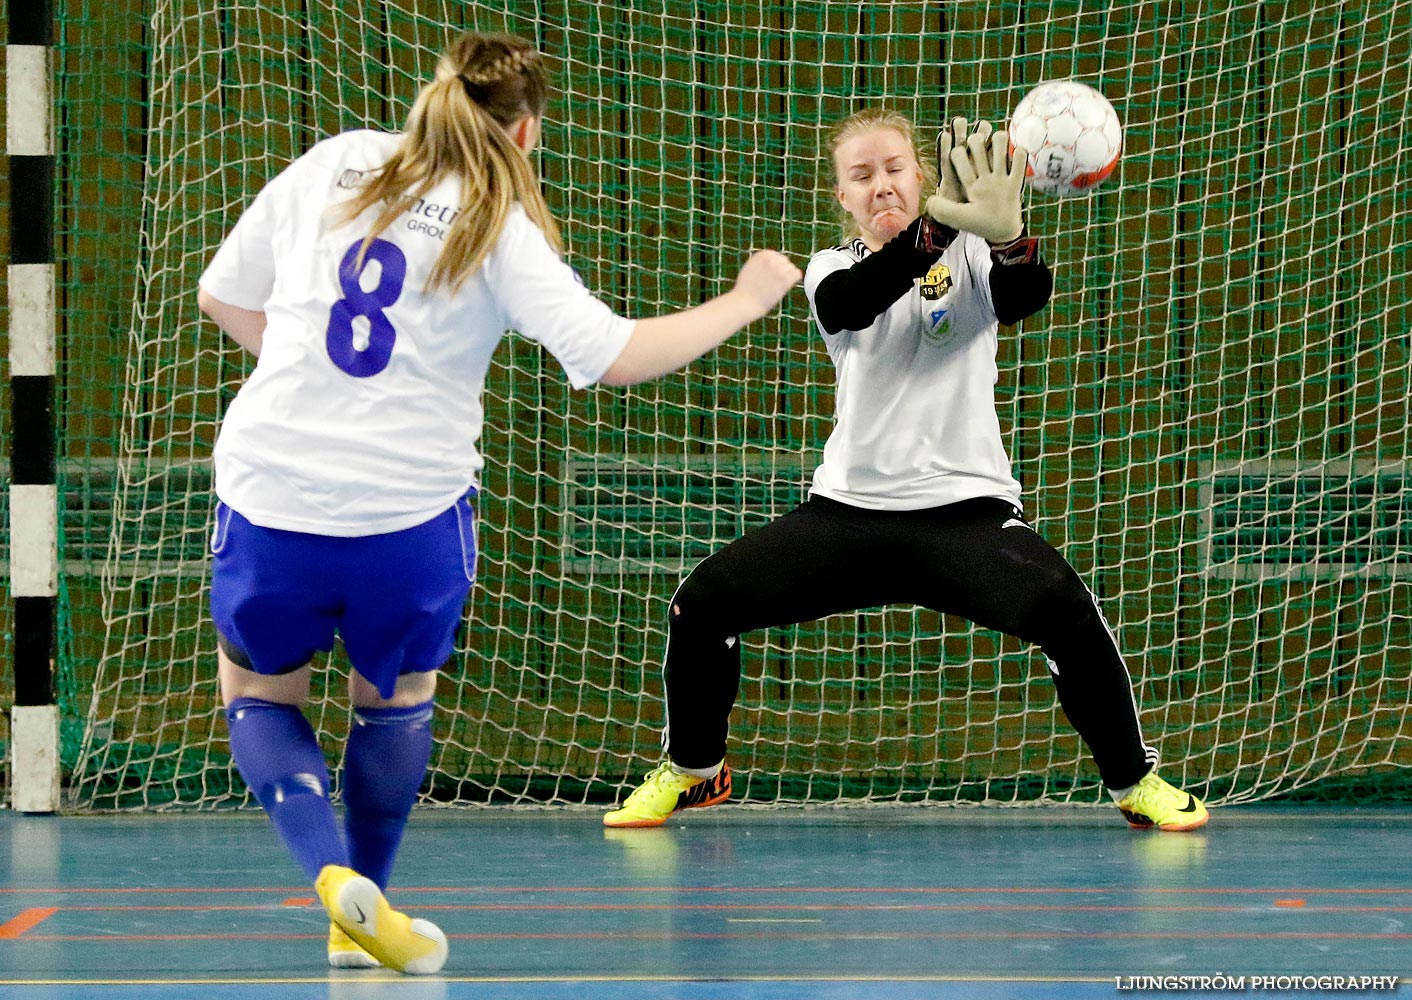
129	890
1104	890
180	937
944	936
792	936
32	917
761	907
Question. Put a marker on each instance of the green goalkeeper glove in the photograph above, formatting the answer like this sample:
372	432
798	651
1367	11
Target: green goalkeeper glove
991	179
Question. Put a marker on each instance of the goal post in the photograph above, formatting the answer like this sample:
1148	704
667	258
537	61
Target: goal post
1210	418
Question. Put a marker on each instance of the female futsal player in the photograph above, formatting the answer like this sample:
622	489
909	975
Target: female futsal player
374	278
914	501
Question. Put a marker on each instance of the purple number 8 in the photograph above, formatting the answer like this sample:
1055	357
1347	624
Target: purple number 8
368	304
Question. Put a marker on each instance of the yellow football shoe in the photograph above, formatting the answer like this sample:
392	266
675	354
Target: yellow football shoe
344	953
1154	803
665	791
357	906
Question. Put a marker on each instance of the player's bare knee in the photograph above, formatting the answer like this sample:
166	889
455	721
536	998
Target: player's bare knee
289	688
412	689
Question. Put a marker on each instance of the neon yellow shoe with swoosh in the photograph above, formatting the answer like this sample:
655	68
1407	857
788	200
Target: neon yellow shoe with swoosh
1154	803
344	953
666	790
416	947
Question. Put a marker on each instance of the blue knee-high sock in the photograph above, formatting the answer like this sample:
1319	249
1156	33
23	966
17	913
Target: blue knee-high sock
279	757
388	751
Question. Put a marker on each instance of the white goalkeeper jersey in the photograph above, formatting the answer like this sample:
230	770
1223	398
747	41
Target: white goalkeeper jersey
363	413
916	424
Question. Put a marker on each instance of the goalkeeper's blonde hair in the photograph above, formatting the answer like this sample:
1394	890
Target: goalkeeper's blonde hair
868	120
457	127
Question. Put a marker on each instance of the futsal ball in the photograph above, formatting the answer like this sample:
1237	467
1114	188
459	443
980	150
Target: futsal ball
1072	134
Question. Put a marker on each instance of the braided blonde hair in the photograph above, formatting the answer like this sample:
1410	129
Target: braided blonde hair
484	84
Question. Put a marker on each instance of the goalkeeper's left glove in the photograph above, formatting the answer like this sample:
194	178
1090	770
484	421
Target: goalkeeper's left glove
991	178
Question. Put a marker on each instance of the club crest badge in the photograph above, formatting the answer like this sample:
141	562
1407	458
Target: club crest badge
937	282
938	324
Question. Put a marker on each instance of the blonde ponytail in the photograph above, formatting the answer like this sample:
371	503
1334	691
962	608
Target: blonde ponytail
457	128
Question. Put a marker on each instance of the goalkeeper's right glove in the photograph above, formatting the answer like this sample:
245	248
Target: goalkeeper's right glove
949	138
991	178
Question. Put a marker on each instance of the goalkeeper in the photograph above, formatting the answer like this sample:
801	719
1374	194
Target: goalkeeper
914	501
373	278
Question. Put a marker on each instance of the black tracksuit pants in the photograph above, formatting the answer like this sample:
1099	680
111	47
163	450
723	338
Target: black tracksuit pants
975	559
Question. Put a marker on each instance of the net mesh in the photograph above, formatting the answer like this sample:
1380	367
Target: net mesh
1209	419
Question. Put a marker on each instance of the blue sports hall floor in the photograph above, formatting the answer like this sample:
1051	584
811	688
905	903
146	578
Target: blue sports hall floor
723	903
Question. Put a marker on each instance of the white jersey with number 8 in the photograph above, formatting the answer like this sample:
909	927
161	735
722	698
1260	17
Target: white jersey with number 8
364	410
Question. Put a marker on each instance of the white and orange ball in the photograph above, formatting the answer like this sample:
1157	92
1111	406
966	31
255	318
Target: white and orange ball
1072	134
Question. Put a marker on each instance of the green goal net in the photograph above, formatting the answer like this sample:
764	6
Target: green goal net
1209	420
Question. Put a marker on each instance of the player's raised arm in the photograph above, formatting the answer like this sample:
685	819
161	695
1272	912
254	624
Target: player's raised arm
665	343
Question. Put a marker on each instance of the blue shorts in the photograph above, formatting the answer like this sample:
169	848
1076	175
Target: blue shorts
395	599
